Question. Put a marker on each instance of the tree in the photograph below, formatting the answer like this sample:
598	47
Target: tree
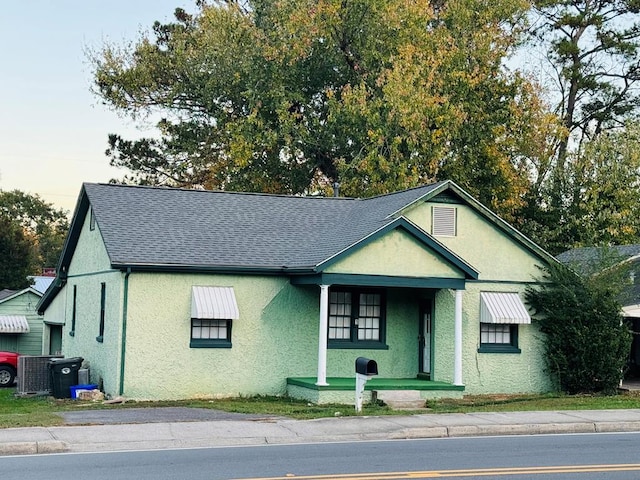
587	342
18	255
599	199
593	48
43	224
292	96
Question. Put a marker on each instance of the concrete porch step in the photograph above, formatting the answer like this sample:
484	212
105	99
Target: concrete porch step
400	399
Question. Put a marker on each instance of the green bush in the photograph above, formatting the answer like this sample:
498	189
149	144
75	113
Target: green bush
587	341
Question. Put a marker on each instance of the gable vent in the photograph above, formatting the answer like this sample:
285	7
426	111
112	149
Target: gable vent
443	221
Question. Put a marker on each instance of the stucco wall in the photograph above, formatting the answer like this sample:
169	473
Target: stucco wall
276	336
396	253
89	268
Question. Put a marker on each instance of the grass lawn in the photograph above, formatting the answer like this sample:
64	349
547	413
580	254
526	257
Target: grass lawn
41	411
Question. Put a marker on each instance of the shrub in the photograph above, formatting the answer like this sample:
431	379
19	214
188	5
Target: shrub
587	341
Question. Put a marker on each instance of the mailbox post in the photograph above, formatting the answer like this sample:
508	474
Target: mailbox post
365	369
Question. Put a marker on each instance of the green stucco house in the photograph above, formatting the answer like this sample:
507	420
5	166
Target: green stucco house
22	329
171	293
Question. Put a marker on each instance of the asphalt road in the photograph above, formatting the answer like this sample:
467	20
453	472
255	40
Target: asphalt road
541	457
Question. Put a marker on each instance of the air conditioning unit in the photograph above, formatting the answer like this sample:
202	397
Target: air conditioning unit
33	374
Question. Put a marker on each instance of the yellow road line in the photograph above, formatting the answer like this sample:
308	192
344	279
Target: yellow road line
479	472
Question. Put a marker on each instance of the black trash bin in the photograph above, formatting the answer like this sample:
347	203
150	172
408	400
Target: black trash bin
64	374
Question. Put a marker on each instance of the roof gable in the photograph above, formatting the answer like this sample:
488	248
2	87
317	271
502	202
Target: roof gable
449	192
439	260
11	294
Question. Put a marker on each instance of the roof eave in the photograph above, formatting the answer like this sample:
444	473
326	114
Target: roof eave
226	269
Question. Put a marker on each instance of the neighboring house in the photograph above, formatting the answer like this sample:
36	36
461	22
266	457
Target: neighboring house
589	259
171	293
21	327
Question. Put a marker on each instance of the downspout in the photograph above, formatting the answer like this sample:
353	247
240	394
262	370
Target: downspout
123	343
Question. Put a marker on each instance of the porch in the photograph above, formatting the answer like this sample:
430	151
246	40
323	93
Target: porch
394	391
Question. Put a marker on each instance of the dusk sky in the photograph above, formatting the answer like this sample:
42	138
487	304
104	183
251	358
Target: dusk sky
53	130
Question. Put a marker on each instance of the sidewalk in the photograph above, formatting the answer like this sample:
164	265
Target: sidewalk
243	430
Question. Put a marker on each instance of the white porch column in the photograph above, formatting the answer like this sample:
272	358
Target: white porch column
457	332
322	335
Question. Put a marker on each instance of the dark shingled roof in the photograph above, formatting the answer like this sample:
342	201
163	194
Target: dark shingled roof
587	259
6	293
162	226
166	229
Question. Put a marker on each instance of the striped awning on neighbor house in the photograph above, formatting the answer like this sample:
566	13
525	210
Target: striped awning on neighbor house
214	303
503	307
14	324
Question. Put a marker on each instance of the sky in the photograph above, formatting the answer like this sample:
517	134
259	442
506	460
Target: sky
53	130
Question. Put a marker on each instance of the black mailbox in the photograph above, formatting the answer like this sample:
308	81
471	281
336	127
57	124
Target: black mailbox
364	366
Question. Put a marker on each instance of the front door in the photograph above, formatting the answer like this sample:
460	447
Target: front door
425	338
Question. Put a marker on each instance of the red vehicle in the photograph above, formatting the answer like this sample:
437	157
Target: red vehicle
8	368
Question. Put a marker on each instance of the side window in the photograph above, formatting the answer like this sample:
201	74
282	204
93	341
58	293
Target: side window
207	332
103	295
501	313
213	311
92	220
356	318
498	338
74	307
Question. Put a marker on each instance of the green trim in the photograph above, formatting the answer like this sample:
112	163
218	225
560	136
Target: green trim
486	348
363	345
378	281
230	269
93	274
427	240
123	343
505	282
376	383
446	197
209	343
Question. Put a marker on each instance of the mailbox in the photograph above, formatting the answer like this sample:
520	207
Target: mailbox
364	366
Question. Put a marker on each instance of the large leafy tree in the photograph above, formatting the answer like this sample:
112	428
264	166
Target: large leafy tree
44	225
600	201
18	254
294	95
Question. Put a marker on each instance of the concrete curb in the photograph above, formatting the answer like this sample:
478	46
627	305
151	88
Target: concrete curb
32	448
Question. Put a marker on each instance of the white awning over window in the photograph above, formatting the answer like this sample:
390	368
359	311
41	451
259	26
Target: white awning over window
500	307
214	303
14	324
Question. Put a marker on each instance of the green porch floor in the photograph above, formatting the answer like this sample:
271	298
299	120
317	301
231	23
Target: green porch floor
376	383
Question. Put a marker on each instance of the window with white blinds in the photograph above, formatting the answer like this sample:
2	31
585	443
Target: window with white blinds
444	221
